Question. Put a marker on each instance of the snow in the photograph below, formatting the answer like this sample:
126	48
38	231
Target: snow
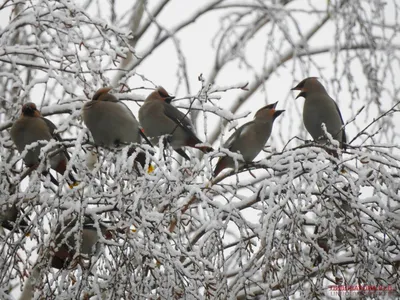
251	231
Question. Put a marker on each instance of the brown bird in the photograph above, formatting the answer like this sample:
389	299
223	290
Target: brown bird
9	217
67	240
250	138
31	127
111	122
158	117
320	108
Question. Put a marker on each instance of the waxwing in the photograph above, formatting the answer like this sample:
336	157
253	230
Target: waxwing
9	216
342	235
70	233
32	127
9	211
111	122
320	108
158	117
250	138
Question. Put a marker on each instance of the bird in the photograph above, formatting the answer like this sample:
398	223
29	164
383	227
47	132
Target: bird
320	108
9	211
112	123
158	117
9	217
250	138
33	127
341	237
67	240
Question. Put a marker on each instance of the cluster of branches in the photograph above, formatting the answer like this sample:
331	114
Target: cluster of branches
294	222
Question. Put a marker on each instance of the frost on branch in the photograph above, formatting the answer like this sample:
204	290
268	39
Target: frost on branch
292	223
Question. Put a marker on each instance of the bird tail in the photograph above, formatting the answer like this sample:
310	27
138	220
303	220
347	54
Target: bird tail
73	181
205	149
193	141
58	263
333	152
23	225
182	153
141	160
220	166
61	168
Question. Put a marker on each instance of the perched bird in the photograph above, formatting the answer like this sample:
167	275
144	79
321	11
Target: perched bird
32	127
158	117
111	122
9	211
9	217
67	240
250	138
320	108
342	236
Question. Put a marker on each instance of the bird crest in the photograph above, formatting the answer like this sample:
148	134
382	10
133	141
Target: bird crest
101	92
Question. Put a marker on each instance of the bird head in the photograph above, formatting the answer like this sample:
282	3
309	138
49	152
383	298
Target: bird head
269	112
160	94
29	110
103	95
307	85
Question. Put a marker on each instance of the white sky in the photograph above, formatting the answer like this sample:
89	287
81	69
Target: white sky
196	43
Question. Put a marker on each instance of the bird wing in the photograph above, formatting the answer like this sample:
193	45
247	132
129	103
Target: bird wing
344	139
145	137
56	136
241	130
180	119
52	129
115	100
123	104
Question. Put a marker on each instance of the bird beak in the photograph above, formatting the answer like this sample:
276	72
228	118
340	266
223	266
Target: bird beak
278	113
169	99
298	88
301	94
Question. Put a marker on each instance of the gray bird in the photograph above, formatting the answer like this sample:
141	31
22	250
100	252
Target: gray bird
320	108
250	138
158	117
32	127
111	122
67	240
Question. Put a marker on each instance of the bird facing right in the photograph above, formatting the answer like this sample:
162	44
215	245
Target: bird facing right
320	108
158	117
250	138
